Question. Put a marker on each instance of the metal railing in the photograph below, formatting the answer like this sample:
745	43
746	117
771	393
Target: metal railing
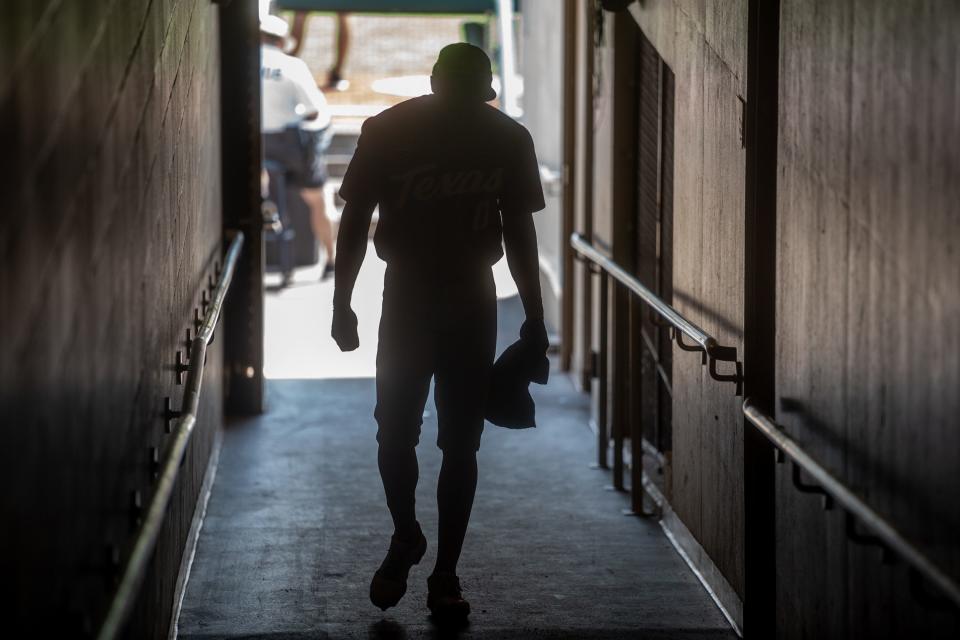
873	528
133	573
712	351
663	315
879	532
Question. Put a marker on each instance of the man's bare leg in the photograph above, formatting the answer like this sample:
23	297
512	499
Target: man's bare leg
320	222
455	491
400	472
398	468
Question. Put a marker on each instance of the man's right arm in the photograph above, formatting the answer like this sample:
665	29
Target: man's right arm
361	189
351	249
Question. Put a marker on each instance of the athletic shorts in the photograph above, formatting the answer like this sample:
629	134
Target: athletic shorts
446	333
300	152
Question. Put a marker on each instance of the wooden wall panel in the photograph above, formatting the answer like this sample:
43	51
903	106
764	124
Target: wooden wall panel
694	11
811	388
726	35
687	247
704	44
111	225
604	155
903	299
721	306
868	304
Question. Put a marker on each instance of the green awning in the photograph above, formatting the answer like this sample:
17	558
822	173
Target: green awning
395	6
392	6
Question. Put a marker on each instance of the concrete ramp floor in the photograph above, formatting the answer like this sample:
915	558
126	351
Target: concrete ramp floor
297	524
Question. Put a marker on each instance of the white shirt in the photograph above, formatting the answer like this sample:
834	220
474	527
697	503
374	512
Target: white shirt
289	93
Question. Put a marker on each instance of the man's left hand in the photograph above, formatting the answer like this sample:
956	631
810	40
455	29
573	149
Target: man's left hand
534	333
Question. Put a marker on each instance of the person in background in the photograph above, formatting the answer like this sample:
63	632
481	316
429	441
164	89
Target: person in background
295	126
335	79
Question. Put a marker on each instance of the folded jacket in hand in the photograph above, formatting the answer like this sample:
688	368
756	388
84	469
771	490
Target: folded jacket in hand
508	399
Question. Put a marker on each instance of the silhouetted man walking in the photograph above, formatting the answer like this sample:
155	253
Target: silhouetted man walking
456	180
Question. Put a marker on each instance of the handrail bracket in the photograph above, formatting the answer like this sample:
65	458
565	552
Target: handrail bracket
803	487
678	336
726	354
850	525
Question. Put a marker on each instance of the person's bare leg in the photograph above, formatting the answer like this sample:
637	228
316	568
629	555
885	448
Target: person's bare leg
400	472
455	490
296	32
335	79
319	220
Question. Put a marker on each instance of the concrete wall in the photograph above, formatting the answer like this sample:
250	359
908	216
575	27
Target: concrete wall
704	44
868	305
110	179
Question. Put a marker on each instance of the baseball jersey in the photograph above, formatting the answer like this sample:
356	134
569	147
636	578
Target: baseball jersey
443	175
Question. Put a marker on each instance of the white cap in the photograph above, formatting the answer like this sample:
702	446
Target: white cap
274	26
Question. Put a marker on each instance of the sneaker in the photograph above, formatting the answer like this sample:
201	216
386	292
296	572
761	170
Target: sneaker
445	597
336	82
390	581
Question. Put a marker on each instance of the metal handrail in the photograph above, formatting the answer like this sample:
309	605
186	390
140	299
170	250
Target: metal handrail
703	341
149	531
882	533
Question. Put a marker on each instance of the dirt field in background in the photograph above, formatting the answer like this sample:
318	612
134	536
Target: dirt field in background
381	46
